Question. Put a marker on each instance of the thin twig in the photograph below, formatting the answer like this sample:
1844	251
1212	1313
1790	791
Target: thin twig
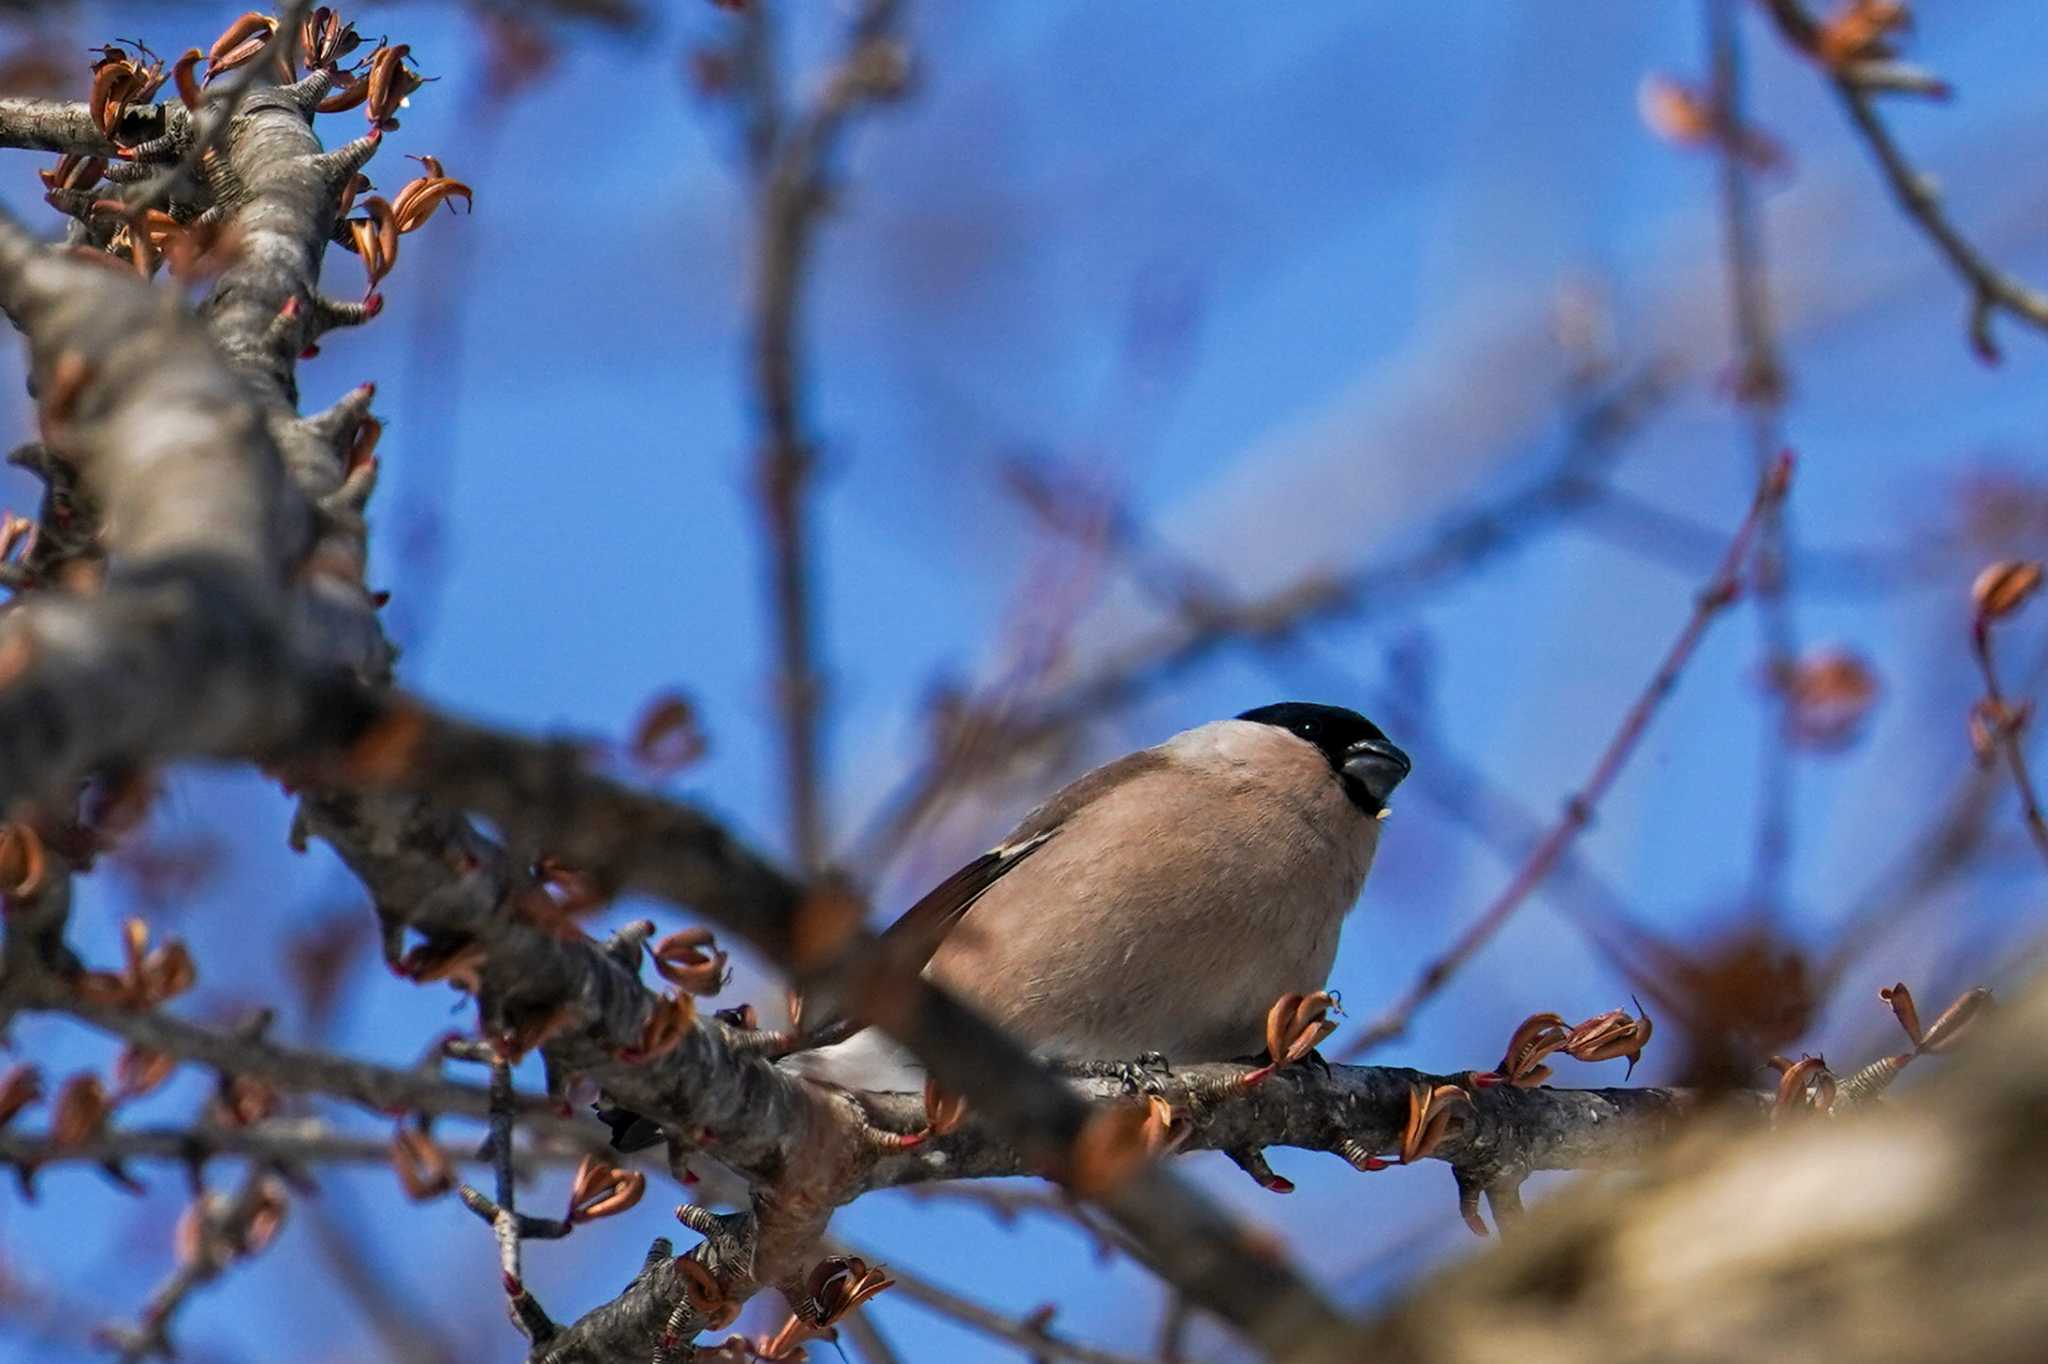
279	1141
1470	537
227	1228
1991	289
407	1334
505	1226
381	1088
2006	724
792	193
1719	593
867	1337
1760	390
1941	848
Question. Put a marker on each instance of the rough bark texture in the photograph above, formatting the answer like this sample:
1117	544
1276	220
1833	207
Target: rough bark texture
1910	1234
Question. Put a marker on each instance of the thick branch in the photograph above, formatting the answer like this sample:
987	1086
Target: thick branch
60	125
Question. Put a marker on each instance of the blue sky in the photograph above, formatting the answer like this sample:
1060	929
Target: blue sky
1338	233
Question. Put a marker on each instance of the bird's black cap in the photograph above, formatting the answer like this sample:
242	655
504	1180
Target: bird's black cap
1363	758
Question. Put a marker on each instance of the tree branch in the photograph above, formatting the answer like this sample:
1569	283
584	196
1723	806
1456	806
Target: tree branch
792	193
1714	598
1991	289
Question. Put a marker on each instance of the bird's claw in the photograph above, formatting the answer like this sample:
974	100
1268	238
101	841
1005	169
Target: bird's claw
1142	1075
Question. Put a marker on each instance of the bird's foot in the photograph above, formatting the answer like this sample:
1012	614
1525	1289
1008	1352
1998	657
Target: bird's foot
1140	1076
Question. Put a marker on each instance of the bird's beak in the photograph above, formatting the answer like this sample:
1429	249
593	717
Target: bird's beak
1377	766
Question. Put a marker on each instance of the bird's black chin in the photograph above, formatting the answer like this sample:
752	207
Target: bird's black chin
1371	769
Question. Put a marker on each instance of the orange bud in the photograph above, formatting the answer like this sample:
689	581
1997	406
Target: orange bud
602	1190
22	1086
22	863
667	738
691	959
1111	1147
81	1111
423	1171
2002	588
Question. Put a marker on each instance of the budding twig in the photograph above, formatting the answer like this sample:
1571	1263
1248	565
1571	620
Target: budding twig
1991	289
2000	590
1720	591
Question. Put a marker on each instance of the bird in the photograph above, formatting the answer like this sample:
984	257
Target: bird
1157	906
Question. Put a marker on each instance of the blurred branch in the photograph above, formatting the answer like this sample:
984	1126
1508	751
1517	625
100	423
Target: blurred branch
1207	621
867	1337
1719	593
1007	1203
292	1069
407	1334
282	1142
792	159
223	1229
1858	83
2000	723
1678	541
1759	388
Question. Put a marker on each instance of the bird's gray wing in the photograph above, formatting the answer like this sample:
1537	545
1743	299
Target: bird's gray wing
920	930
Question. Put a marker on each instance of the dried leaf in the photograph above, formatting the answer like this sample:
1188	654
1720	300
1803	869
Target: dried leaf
1675	111
138	1070
391	82
841	1283
22	1086
1829	693
1296	1024
691	960
268	1218
706	1294
1111	1147
80	1111
666	1024
601	1190
239	43
1536	1037
1957	1020
459	961
184	76
22	863
348	92
1901	1000
1433	1114
943	1112
375	238
1806	1085
1609	1035
667	738
417	199
243	1101
324	39
2002	588
423	1170
1857	32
